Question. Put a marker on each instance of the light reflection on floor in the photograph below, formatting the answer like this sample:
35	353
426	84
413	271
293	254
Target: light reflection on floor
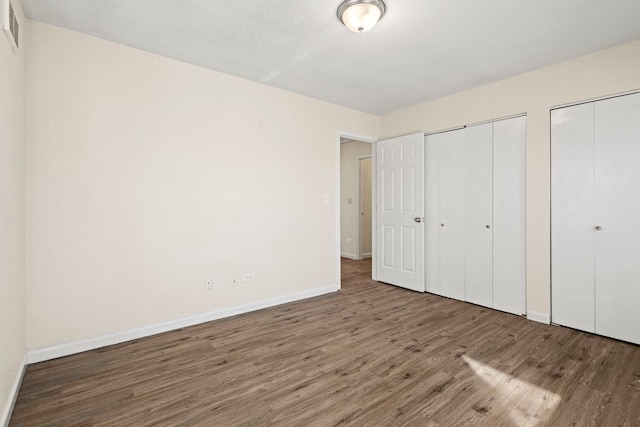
526	404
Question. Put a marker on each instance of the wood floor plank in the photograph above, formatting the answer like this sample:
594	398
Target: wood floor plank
369	355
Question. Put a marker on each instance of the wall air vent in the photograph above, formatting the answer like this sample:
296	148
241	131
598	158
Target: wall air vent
11	25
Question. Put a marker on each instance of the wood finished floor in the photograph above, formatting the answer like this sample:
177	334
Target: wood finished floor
370	355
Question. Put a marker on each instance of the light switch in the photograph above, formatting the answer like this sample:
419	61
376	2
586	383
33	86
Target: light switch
349	200
327	200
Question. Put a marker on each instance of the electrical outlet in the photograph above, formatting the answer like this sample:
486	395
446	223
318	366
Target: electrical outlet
248	277
208	284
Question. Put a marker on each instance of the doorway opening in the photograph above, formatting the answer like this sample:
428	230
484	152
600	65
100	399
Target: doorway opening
356	233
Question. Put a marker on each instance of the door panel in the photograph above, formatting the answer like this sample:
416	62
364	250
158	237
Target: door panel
408	248
387	196
509	257
408	189
617	212
572	220
400	196
388	246
432	208
478	215
452	208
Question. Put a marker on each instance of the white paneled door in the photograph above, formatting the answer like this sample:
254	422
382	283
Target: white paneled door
400	211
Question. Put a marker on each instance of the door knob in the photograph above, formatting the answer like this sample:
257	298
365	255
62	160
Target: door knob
598	228
441	225
487	226
417	219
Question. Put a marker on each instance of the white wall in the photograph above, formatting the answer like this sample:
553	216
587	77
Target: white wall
12	294
349	153
146	176
603	73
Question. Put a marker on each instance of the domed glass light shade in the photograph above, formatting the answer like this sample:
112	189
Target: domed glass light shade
360	15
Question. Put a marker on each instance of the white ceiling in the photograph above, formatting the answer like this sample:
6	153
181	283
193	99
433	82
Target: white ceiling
419	51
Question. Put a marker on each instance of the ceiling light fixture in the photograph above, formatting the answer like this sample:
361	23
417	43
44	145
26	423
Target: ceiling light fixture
360	15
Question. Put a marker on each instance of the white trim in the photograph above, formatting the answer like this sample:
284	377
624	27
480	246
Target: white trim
600	98
513	116
13	394
355	137
374	212
7	23
539	317
526	221
61	350
365	256
338	206
349	256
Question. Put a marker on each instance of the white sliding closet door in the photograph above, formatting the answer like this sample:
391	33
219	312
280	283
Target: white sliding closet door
617	213
596	217
478	245
475	209
572	222
452	210
509	254
432	213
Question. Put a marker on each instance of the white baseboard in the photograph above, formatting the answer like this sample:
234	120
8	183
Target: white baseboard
13	395
539	317
365	256
61	350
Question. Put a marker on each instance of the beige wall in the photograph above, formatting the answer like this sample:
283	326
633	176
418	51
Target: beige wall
146	176
600	74
12	294
349	153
